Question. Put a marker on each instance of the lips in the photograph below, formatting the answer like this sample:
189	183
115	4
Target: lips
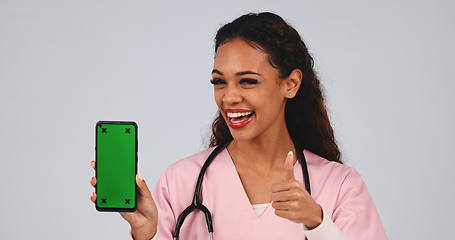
239	118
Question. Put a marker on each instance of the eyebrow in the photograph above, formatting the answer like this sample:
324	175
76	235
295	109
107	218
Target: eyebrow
237	73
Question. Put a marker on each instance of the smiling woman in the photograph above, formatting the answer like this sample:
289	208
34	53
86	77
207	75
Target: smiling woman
278	59
272	122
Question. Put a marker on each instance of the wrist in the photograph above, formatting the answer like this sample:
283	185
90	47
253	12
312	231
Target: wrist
144	232
316	219
138	235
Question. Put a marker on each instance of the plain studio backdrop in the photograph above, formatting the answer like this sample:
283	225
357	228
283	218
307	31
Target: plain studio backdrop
386	68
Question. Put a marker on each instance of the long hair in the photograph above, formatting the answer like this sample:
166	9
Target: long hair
305	114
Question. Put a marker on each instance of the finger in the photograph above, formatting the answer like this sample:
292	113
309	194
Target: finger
287	196
93	197
286	186
288	205
289	166
93	181
285	214
93	164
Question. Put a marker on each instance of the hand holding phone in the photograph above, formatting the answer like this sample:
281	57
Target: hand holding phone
143	220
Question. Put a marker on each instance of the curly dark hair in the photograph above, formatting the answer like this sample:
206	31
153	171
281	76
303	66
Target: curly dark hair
305	114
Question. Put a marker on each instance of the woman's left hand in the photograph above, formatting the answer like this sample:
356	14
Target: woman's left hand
291	200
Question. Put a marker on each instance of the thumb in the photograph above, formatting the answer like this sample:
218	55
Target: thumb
289	166
146	204
142	187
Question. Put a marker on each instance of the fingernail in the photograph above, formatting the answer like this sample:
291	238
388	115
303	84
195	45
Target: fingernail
140	177
290	153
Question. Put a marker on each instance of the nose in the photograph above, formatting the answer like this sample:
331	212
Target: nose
232	96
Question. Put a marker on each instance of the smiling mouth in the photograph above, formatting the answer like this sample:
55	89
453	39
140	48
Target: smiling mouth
239	119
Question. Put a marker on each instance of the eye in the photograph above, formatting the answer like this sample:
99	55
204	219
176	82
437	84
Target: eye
217	81
248	81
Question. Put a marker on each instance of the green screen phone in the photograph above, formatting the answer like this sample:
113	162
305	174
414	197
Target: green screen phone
116	166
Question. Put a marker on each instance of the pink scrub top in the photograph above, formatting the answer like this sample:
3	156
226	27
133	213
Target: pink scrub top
338	188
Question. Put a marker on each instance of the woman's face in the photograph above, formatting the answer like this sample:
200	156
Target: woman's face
246	84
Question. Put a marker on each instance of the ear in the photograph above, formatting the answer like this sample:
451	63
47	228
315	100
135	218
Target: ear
291	84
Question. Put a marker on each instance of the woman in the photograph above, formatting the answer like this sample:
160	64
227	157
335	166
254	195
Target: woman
270	107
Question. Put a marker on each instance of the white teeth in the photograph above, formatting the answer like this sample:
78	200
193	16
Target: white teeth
237	114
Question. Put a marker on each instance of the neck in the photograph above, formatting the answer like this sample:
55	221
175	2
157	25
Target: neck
265	152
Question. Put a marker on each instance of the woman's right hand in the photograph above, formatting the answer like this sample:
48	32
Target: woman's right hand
144	220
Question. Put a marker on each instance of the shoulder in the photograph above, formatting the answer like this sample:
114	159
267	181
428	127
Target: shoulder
334	182
177	183
324	167
180	177
332	178
185	171
343	194
190	163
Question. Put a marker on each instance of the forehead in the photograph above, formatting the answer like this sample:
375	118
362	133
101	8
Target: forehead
238	55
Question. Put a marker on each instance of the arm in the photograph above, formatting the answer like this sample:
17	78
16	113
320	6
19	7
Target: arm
355	213
165	215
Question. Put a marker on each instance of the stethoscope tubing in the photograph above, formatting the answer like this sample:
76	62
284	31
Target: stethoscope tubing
197	201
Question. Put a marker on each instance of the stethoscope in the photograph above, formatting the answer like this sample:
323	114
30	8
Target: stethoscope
197	203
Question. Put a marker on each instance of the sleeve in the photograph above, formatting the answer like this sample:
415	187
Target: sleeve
355	212
166	215
326	230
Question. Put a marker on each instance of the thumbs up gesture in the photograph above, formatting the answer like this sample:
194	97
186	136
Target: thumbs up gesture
291	200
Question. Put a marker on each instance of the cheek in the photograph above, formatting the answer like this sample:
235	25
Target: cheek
269	106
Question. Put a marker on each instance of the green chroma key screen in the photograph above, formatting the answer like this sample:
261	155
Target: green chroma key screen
116	165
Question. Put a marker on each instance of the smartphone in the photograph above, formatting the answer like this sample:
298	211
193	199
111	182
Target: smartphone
116	166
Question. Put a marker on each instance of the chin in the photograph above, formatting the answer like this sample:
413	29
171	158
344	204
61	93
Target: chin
243	136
